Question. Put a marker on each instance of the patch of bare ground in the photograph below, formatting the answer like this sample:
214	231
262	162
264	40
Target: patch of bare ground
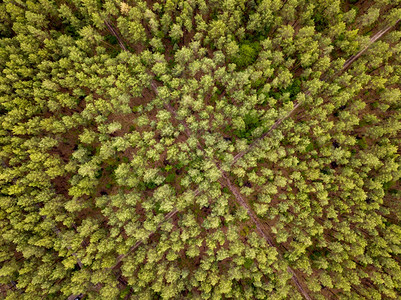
361	5
187	37
4	288
69	140
147	96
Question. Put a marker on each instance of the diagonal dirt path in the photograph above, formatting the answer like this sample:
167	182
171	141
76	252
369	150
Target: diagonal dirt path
347	64
234	190
139	243
373	39
260	228
274	126
116	35
225	181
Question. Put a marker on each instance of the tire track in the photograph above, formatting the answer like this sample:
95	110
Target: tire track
346	65
260	228
225	181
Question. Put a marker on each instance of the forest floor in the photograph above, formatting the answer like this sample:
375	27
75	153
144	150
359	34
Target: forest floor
262	228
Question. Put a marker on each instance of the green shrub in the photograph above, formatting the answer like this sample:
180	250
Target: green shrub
251	122
320	21
248	52
170	178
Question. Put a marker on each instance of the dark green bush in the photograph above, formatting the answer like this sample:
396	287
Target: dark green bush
248	52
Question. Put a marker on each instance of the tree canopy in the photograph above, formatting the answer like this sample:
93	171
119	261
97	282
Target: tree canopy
192	149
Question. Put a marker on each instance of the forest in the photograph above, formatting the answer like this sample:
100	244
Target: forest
200	149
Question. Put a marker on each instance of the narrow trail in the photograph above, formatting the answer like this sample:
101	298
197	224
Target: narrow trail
257	140
117	36
234	190
373	39
348	63
225	181
260	228
139	243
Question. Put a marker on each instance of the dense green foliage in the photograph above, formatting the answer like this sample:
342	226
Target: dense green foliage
200	149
